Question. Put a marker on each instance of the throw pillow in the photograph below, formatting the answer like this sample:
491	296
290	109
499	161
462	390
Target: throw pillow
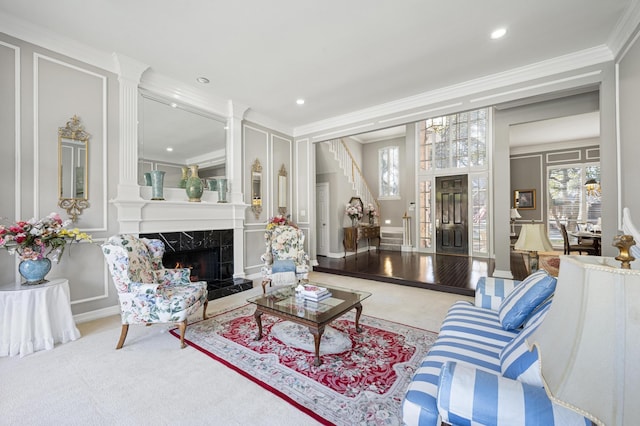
516	360
283	265
530	293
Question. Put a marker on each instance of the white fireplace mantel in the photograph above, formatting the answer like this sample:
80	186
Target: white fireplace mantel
141	215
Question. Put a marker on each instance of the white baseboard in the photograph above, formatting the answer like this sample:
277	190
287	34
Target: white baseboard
97	314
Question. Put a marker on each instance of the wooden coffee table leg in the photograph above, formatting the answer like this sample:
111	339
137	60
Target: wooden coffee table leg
358	313
317	335
258	316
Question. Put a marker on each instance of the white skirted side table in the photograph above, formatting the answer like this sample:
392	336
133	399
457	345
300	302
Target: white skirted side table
35	318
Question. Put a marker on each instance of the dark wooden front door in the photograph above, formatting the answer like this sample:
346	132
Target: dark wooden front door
451	215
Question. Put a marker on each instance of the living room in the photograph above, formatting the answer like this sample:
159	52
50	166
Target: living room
52	72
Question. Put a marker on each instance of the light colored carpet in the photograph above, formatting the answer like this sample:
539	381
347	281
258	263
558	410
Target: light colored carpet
151	381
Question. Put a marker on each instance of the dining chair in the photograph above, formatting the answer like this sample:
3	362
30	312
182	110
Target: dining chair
580	247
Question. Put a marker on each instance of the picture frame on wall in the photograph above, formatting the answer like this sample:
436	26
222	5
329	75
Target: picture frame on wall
524	199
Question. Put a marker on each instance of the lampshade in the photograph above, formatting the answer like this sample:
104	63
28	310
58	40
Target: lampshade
533	237
514	214
588	343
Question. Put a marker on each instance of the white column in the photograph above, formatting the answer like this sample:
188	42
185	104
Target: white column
234	149
129	73
406	233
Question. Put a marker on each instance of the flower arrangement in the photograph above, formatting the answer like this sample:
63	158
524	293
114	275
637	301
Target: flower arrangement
371	211
353	211
37	239
279	220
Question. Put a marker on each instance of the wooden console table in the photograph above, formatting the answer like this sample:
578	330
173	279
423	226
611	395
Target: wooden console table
353	234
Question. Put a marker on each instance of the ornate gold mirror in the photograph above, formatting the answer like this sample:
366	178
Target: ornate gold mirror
73	170
256	188
282	190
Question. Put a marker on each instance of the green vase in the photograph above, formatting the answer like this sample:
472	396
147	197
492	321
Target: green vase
183	179
194	186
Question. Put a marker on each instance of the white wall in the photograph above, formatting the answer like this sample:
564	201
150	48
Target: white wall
629	103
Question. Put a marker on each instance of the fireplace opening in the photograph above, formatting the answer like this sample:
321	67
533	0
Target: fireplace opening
208	255
204	264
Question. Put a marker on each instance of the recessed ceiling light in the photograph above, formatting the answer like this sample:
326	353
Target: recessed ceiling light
169	149
202	80
300	101
499	33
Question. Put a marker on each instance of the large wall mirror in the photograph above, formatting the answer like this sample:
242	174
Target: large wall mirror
73	168
173	135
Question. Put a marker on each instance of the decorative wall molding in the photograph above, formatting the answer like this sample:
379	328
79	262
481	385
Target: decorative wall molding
577	156
563	145
304	162
37	57
17	132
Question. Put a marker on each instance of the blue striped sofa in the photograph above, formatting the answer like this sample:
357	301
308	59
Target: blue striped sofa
478	373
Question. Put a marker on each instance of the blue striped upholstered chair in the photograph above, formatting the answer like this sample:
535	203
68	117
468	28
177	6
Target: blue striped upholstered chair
478	372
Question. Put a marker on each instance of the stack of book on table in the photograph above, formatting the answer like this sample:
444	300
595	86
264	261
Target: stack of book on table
314	294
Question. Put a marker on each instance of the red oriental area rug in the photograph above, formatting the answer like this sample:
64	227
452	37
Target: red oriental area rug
363	376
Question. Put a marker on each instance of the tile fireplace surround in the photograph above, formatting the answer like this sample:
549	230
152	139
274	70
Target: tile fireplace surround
176	216
209	255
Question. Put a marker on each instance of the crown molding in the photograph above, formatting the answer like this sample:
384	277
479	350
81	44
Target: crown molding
263	120
170	88
24	30
561	64
625	31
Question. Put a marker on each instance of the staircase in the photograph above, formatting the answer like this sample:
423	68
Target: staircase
391	239
353	173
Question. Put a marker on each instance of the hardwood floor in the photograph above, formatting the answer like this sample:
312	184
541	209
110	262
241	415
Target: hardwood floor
451	274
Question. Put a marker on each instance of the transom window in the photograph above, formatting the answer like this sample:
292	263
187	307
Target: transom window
454	141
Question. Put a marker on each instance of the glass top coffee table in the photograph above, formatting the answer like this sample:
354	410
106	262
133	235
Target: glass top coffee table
283	302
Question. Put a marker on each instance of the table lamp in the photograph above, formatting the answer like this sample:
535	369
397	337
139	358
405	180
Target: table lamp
514	215
588	343
533	238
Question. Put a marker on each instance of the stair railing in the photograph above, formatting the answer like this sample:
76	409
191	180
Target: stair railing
353	172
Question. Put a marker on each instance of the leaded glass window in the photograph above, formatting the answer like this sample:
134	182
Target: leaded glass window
389	166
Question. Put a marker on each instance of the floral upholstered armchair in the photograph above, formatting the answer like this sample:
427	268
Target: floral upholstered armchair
285	261
148	292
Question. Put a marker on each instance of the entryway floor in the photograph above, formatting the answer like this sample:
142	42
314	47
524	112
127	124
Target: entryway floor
451	274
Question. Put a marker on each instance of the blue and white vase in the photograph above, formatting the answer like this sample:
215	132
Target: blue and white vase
34	271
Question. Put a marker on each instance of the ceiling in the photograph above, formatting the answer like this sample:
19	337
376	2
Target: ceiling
340	56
